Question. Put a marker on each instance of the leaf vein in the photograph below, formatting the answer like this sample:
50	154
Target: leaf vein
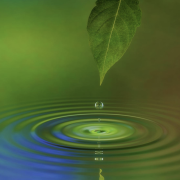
104	23
111	34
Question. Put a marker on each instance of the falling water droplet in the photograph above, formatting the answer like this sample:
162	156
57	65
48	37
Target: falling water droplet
99	105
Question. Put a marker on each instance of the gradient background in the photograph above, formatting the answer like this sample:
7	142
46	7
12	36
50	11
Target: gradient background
45	53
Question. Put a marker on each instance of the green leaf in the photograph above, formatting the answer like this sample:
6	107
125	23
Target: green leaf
111	27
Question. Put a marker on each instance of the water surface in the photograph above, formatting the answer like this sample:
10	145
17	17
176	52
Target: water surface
58	139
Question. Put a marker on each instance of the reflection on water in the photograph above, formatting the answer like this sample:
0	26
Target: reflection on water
100	176
63	139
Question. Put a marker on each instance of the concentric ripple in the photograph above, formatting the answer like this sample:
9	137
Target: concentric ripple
83	131
64	139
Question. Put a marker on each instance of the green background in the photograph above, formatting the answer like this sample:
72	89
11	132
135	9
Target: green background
45	53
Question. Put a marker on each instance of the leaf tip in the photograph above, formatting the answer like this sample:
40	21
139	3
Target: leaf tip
101	79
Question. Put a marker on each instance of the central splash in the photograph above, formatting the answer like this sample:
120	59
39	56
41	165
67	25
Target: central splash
100	131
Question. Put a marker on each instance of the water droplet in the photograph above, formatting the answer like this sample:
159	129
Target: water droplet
99	120
99	105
